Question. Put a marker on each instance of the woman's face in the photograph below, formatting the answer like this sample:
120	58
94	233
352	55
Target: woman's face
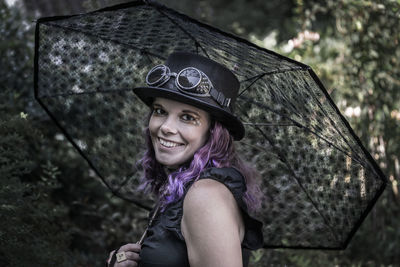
177	131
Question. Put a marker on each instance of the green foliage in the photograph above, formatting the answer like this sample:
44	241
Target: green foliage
54	210
16	52
29	219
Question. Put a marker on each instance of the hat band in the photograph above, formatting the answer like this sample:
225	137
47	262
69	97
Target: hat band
190	80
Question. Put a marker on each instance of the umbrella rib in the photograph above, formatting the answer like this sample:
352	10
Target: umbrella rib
336	128
269	124
275	71
85	93
282	157
185	31
298	124
259	76
289	103
125	181
273	111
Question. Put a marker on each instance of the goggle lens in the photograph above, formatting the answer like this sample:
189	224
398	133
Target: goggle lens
155	75
189	78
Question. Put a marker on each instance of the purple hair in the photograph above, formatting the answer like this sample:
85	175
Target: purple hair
218	151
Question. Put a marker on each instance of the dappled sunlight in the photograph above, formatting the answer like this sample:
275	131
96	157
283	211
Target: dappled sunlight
361	177
395	114
394	185
300	39
353	112
347	178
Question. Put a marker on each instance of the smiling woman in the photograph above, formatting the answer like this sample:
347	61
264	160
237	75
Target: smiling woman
177	131
191	166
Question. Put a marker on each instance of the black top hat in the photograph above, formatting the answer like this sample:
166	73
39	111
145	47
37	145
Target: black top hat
219	99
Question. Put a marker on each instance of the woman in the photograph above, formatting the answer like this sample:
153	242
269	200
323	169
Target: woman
204	189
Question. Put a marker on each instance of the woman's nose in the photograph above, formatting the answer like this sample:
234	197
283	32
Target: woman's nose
169	126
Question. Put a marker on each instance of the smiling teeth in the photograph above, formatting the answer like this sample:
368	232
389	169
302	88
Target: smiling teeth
168	144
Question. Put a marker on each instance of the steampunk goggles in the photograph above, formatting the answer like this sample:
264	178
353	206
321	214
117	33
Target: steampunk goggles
190	81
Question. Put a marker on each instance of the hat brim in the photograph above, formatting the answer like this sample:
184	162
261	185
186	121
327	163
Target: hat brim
231	122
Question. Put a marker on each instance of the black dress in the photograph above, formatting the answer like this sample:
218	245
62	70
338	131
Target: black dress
165	245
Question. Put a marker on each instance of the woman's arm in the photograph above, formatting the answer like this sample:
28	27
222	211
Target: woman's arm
212	225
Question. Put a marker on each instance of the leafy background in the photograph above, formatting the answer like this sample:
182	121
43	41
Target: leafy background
55	212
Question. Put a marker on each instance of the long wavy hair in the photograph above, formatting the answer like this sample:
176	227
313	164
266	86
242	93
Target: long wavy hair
218	151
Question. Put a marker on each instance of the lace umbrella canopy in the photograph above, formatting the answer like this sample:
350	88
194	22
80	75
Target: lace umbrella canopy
318	179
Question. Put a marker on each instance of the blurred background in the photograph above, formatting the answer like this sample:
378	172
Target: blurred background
55	212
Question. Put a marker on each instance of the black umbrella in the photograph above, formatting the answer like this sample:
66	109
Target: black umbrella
318	179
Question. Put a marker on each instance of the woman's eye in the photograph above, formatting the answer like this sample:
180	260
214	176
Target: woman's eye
187	117
158	111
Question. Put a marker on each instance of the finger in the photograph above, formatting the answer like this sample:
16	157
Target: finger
130	247
132	256
109	256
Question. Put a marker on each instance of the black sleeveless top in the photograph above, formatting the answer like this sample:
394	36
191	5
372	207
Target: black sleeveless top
165	245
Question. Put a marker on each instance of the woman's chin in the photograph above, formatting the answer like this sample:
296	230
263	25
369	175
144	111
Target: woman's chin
169	163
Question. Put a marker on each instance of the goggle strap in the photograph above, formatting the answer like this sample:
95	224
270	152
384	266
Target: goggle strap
220	97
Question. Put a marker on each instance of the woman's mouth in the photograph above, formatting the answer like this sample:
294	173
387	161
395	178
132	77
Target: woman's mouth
168	144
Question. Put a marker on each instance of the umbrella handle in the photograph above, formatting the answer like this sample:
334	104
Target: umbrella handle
157	208
140	242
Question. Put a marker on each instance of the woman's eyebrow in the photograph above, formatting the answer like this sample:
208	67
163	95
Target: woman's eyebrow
191	111
156	104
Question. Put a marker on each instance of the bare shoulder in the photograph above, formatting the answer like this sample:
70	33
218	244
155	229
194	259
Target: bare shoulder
212	225
206	191
210	204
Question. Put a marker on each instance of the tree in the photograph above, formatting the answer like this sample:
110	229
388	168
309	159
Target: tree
352	45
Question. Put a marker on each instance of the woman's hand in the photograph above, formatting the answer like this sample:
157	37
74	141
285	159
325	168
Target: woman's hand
132	251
